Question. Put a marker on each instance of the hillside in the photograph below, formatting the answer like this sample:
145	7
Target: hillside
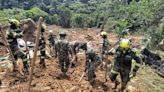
83	20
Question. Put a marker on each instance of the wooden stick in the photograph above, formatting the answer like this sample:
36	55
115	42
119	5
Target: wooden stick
6	43
35	51
4	62
81	78
106	72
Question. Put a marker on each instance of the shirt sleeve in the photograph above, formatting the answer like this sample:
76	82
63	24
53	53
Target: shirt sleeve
70	49
135	57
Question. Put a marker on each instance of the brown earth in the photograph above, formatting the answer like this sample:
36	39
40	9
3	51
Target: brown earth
50	80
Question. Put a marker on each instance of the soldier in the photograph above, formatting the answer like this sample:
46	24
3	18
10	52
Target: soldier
104	46
92	61
122	63
63	50
76	46
12	35
42	46
52	39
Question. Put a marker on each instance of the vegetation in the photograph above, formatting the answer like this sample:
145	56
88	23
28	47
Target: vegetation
140	15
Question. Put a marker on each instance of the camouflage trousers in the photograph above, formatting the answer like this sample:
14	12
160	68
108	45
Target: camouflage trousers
90	68
124	73
19	54
42	57
64	64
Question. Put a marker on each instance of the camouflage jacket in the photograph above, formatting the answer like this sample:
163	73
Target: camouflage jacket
123	58
92	59
51	39
12	35
42	42
105	46
63	48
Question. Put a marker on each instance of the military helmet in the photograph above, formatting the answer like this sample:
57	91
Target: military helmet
103	33
125	43
62	33
14	21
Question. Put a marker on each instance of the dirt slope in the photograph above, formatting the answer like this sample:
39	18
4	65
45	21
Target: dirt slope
50	80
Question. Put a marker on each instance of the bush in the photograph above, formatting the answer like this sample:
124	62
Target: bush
35	13
81	21
3	18
78	20
156	34
7	14
53	19
64	16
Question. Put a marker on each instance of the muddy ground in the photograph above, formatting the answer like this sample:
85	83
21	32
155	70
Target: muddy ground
50	80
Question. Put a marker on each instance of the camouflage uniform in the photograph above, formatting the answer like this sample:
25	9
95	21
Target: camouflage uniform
76	46
63	50
91	63
42	48
104	48
52	45
12	35
122	65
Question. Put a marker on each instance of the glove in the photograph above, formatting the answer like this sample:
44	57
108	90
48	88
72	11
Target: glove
134	71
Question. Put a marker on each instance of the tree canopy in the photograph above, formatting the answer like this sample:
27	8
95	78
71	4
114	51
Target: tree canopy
140	15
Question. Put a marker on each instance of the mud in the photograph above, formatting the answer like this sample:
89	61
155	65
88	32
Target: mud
50	79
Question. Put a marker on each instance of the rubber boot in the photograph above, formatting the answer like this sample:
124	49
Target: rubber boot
115	84
64	74
92	82
42	64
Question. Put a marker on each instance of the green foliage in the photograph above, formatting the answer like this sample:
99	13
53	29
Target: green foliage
35	13
64	16
77	20
79	7
3	17
121	28
157	34
7	14
53	19
139	15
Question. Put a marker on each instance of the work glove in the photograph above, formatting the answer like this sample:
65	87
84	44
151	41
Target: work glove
134	72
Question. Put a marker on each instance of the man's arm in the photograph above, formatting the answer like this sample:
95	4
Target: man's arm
138	62
70	50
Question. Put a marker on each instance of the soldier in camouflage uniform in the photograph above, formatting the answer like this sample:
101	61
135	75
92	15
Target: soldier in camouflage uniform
42	46
76	46
63	50
92	61
12	35
123	62
52	39
104	46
